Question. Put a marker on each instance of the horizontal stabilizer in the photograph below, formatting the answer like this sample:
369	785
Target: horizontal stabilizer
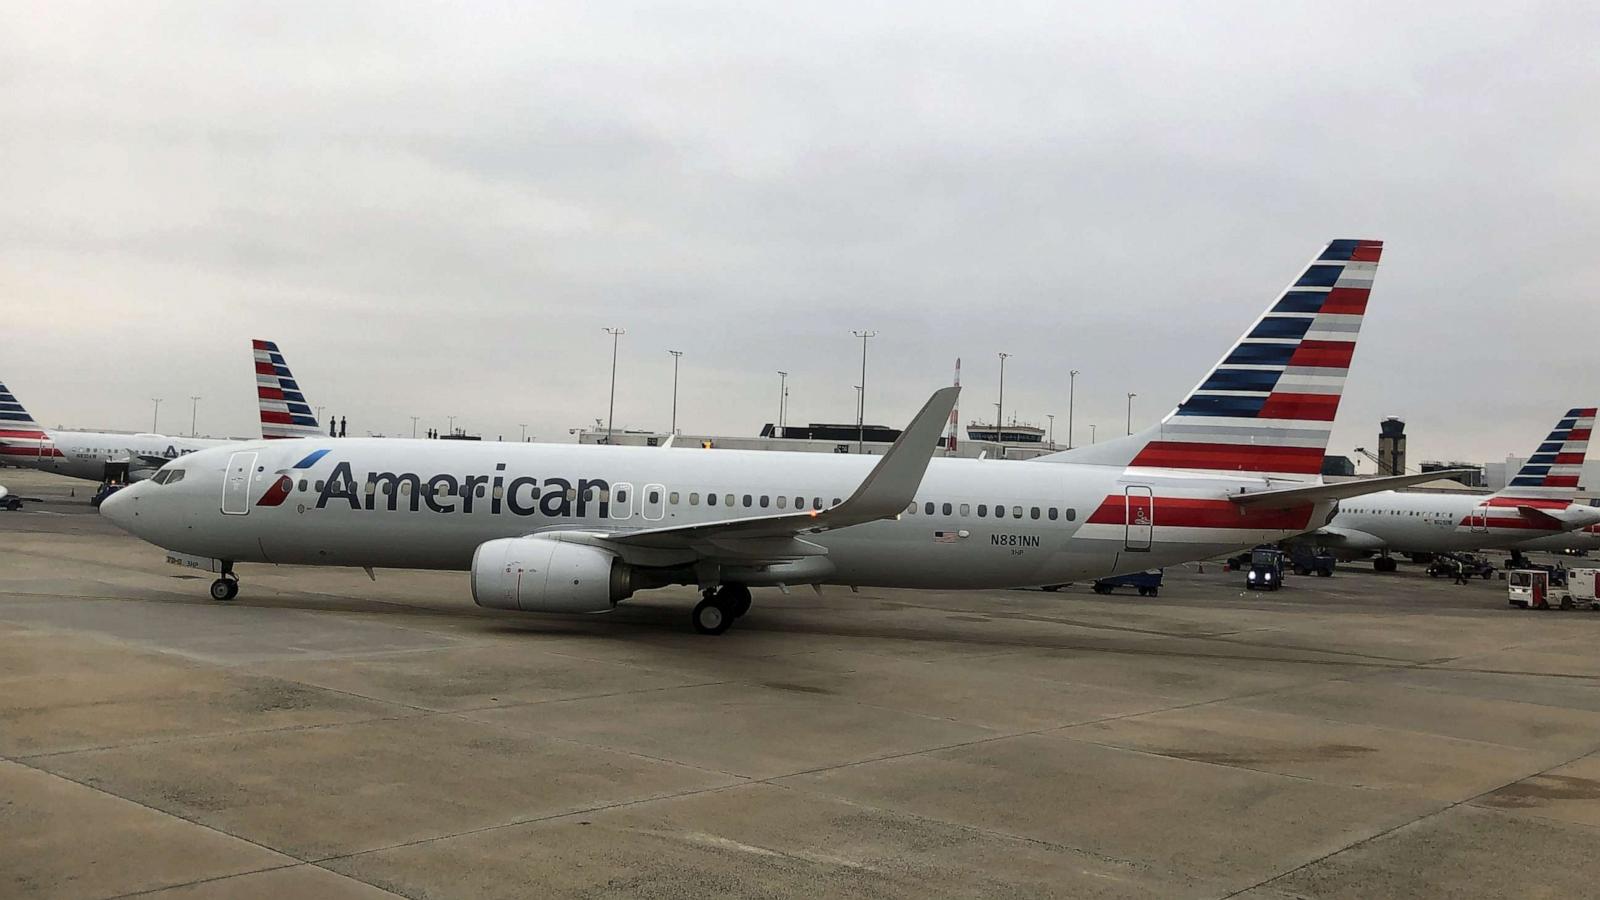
1569	518
1286	498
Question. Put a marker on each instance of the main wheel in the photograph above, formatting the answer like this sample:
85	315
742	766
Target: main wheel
224	589
710	617
735	598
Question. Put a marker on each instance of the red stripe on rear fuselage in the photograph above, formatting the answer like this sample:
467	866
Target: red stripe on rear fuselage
1196	512
1229	457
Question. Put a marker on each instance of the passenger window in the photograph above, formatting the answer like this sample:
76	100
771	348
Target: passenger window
711	499
1052	513
837	501
799	503
1033	513
946	509
405	488
748	501
764	500
672	498
499	491
928	507
1071	514
966	509
1016	512
983	510
783	502
622	496
571	495
654	497
817	503
605	496
694	498
302	485
319	485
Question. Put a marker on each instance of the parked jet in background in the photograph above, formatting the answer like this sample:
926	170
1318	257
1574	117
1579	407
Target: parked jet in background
103	456
578	528
1539	503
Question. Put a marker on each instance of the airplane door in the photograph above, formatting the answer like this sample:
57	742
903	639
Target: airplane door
654	506
1478	520
236	487
1141	519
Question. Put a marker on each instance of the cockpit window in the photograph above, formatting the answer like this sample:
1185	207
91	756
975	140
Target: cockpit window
160	477
167	476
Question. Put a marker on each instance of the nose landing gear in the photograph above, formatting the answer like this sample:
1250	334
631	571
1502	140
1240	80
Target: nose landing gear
720	607
226	587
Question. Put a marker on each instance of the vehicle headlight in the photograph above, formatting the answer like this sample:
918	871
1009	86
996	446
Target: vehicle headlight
1267	576
1252	576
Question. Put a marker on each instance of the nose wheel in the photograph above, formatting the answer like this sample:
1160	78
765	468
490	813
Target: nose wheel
227	586
719	608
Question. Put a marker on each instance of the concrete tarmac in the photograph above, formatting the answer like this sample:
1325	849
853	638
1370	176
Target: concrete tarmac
328	736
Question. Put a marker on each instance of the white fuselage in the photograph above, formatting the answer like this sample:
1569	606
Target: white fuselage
85	454
1583	539
1421	522
430	504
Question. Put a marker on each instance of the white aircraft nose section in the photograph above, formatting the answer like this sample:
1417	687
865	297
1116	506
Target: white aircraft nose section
122	508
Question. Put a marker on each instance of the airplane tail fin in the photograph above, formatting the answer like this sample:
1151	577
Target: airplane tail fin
1554	469
284	411
1268	406
20	435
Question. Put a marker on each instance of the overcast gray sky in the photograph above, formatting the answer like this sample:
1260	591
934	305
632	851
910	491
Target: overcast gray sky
435	209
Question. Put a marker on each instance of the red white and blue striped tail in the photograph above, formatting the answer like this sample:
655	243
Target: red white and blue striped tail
1555	468
284	411
1268	406
20	435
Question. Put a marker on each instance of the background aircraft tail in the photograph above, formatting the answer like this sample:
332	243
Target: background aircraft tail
284	411
1555	468
20	435
1268	406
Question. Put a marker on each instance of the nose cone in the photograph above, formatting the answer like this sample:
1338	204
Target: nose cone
122	507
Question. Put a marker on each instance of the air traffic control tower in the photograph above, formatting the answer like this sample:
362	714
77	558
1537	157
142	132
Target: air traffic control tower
1392	446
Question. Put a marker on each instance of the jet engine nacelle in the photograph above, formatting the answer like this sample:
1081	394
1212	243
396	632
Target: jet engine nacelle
536	574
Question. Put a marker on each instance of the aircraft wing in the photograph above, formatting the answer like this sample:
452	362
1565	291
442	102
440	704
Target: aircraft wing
887	490
1346	538
1285	498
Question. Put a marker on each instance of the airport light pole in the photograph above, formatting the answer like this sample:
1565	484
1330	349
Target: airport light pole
1000	407
1052	438
676	355
194	412
155	416
1091	433
452	423
524	427
1072	393
1130	412
414	425
783	396
611	409
861	406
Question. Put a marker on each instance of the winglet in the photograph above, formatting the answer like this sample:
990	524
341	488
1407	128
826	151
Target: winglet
892	484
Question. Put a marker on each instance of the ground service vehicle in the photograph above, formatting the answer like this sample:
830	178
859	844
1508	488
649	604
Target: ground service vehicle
1148	583
1266	569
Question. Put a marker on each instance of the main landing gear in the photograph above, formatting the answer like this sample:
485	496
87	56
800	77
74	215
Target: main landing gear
1384	563
720	608
227	586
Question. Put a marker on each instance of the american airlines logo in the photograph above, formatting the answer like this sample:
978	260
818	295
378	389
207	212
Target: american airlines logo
446	493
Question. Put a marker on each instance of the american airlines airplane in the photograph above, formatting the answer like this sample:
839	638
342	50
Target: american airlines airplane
579	528
87	454
1587	539
1539	503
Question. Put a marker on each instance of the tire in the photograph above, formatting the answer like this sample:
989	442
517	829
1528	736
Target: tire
1102	589
1144	592
710	617
224	589
1052	588
1302	572
1155	592
1566	603
1324	573
735	598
